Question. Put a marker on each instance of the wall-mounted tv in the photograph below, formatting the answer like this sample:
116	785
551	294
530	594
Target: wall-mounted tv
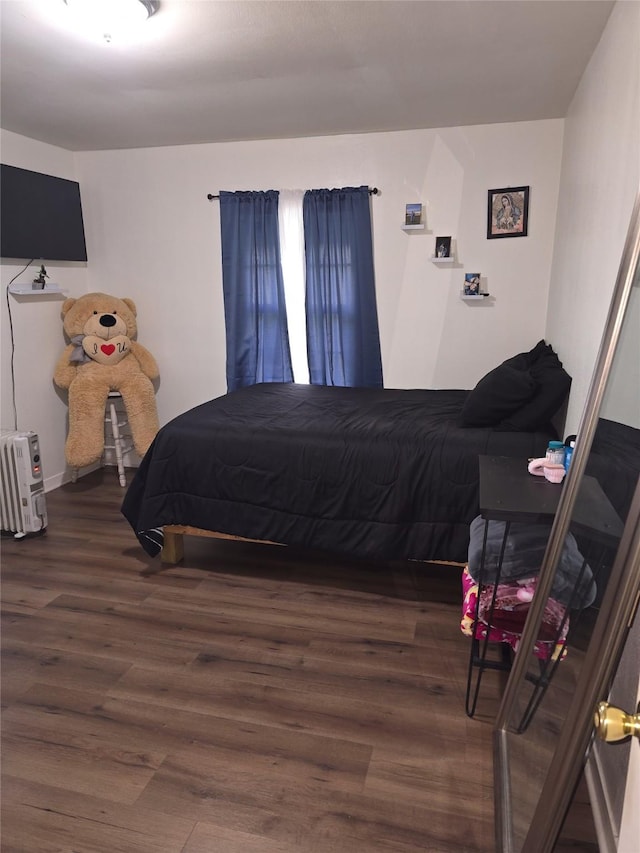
40	216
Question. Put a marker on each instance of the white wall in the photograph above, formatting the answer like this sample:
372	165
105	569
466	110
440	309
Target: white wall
621	401
37	325
599	182
154	237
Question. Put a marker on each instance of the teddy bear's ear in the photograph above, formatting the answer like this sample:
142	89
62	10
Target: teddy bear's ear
131	305
67	305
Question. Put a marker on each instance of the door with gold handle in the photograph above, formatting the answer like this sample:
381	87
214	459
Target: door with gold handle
536	770
613	724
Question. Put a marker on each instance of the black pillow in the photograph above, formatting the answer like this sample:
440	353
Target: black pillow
553	386
540	350
553	383
525	360
499	394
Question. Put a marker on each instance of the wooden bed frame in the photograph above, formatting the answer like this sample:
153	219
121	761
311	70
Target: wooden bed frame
173	544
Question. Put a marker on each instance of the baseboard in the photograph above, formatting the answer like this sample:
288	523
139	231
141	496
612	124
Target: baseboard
57	480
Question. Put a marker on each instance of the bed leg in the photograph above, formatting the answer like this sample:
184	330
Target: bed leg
172	548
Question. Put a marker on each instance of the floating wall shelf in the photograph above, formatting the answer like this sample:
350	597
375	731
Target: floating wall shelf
469	297
412	227
435	260
27	289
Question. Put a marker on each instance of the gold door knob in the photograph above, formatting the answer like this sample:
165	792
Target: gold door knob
613	724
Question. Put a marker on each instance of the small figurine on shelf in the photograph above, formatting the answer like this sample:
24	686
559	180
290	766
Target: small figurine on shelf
39	282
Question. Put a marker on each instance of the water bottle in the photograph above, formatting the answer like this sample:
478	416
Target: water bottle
555	452
569	444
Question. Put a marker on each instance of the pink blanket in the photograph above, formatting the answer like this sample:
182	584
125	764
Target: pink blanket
510	612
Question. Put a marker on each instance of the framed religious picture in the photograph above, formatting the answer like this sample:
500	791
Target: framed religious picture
508	212
443	247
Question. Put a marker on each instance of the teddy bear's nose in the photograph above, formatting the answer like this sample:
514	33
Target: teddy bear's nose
107	320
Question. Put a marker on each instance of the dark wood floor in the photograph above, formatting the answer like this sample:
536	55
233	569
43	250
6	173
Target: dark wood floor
254	699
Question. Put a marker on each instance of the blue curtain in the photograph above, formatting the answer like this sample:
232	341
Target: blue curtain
254	305
342	319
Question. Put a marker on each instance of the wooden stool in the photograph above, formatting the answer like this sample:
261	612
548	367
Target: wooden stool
120	448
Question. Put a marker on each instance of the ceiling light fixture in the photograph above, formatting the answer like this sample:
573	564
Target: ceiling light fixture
111	18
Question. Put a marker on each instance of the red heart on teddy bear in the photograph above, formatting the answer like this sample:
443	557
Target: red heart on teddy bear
107	349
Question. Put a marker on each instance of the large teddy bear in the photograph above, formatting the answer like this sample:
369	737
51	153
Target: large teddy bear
103	357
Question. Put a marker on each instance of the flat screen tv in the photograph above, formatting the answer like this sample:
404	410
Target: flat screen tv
40	216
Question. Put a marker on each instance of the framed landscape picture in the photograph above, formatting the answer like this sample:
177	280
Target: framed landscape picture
413	214
508	212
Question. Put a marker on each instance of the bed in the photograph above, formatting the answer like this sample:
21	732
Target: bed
378	474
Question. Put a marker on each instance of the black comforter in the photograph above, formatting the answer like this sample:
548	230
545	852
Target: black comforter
382	474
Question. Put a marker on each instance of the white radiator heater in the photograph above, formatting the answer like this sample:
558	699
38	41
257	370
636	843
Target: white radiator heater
22	498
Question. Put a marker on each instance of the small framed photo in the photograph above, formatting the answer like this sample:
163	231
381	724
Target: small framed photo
413	214
443	247
472	284
508	212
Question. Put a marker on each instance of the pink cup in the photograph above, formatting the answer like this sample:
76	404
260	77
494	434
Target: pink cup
553	472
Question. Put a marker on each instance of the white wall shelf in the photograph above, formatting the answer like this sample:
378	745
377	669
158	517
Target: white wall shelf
435	260
413	227
27	289
473	297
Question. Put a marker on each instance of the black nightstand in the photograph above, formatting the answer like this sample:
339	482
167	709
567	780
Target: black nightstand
508	493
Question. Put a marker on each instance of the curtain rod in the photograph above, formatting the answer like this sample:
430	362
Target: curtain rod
372	191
